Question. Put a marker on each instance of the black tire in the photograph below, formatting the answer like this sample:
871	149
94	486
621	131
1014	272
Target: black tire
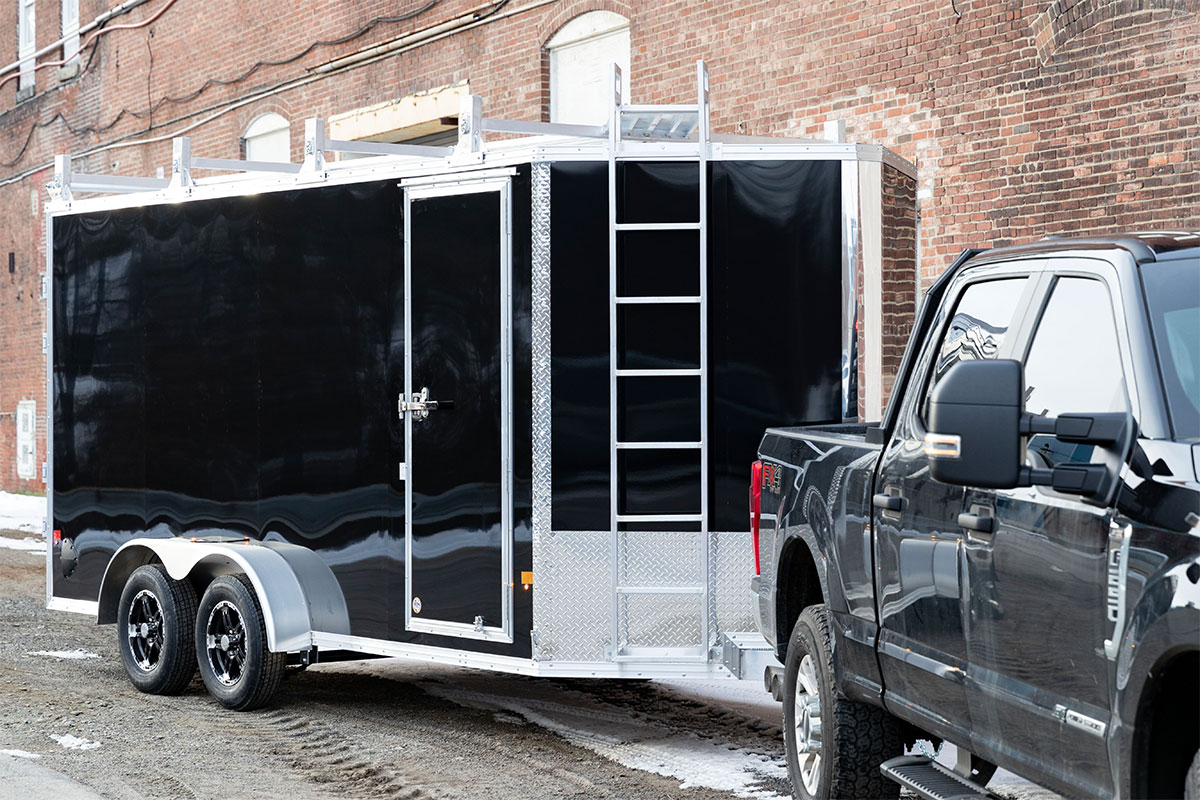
1191	784
238	669
155	621
842	759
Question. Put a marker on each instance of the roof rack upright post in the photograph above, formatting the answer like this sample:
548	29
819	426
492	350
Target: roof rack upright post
60	186
314	145
181	163
470	126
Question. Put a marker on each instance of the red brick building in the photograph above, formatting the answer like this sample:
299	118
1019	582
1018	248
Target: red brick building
1024	117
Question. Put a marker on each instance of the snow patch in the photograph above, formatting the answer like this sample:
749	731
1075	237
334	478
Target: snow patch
74	742
22	512
617	735
73	654
19	754
27	544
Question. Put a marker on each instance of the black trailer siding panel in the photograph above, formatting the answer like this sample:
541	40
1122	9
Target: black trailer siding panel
774	237
231	367
774	309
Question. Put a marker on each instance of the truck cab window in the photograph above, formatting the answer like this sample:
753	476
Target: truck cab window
977	329
1074	364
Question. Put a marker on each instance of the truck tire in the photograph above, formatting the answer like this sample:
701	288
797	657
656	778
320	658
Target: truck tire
155	619
834	745
231	646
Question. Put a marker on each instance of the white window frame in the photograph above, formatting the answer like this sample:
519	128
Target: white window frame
26	41
70	30
27	439
268	130
588	29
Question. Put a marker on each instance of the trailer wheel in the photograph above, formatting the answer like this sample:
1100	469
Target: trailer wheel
231	646
834	745
155	619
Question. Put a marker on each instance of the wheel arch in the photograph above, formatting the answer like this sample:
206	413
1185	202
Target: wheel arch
800	584
296	590
1166	734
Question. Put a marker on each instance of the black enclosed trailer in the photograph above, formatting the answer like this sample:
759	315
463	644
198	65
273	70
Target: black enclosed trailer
491	405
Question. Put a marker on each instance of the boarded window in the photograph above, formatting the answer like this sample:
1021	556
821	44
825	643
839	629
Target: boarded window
26	439
580	55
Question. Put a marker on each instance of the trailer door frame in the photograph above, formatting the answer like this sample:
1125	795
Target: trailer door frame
490	181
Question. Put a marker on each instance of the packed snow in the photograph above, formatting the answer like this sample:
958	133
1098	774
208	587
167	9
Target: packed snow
74	742
19	754
27	544
74	654
22	512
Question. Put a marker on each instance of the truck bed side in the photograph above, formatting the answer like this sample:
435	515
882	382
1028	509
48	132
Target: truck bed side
816	501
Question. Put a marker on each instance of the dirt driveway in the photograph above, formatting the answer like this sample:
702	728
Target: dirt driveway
357	729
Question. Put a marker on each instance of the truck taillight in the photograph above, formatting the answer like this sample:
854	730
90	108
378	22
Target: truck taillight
756	470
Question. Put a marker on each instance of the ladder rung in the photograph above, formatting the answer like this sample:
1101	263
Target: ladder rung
659	445
657	300
660	589
657	226
658	373
659	517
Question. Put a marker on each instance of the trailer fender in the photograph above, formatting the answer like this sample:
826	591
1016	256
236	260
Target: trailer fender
296	589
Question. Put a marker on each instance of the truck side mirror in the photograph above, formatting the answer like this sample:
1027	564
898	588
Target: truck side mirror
975	425
977	432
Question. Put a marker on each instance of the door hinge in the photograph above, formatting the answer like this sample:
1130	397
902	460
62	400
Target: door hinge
45	342
45	471
45	286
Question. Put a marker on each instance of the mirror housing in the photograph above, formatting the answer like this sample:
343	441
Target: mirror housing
978	429
975	425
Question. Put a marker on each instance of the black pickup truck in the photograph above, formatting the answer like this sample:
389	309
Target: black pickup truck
1010	560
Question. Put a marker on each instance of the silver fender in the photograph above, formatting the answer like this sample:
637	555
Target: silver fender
297	591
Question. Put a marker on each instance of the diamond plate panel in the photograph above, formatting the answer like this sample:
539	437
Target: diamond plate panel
733	567
661	558
661	620
572	596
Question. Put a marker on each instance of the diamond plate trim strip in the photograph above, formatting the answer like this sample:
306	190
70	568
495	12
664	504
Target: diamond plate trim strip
544	600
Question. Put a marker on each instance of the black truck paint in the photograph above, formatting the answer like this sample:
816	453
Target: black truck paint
1063	643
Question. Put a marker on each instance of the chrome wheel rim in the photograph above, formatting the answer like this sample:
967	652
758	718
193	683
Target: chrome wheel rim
225	640
807	733
145	630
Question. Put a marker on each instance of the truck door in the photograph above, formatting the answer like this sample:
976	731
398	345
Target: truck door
456	409
1037	624
920	592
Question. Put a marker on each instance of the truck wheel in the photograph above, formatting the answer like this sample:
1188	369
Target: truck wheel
834	745
154	630
231	645
1191	784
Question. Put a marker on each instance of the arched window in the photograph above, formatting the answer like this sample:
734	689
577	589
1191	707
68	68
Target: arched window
268	138
580	53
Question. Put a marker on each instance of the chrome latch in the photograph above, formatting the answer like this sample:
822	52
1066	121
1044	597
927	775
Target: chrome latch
421	405
478	624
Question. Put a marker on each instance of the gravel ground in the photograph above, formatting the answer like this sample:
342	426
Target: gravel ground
371	729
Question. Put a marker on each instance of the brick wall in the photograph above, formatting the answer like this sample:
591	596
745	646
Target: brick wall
1024	118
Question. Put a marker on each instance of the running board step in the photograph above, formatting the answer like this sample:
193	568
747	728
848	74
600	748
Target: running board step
932	781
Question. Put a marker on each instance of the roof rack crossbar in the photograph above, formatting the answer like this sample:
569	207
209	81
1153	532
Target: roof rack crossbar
241	165
544	128
387	148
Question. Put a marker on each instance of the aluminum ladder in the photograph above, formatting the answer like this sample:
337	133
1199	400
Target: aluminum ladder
632	124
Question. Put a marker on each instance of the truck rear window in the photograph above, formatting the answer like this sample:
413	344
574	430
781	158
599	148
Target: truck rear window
1173	297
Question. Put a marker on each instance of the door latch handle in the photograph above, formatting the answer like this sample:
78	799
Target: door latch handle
421	405
981	523
888	502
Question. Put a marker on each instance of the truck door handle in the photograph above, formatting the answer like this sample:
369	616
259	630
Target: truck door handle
983	523
888	502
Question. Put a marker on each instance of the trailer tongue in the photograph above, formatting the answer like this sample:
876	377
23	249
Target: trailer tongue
489	405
